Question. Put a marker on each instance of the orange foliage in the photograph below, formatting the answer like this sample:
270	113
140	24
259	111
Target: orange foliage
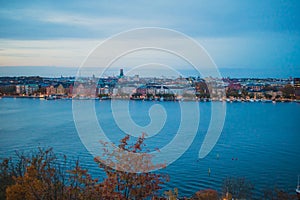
207	194
44	178
120	164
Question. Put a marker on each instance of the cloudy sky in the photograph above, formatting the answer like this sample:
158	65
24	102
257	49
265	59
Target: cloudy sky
248	35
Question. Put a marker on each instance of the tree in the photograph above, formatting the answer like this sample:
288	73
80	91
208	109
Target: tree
232	93
128	184
81	185
41	175
238	188
244	93
268	96
251	95
278	194
288	91
6	176
207	194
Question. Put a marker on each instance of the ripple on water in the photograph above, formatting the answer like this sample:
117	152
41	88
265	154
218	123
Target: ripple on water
259	141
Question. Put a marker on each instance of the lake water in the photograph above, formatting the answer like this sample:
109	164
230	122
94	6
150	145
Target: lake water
259	141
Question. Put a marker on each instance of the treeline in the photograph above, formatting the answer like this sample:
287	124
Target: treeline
41	174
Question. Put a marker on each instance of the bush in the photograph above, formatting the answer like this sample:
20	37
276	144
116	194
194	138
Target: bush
42	175
237	188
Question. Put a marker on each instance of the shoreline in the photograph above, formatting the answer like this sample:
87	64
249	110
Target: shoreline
227	100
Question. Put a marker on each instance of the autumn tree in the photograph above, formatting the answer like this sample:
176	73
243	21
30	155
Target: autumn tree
37	176
6	176
207	194
237	188
278	194
127	168
41	175
82	186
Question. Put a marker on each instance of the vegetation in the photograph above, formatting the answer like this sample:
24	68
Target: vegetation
232	93
237	188
288	91
41	174
278	194
125	183
9	89
267	96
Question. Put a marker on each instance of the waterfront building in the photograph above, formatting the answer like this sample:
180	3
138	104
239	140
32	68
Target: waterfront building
27	89
50	90
60	90
176	90
104	90
128	89
235	86
19	89
255	87
297	88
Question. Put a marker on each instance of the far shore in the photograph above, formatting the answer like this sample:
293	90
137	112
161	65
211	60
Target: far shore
228	100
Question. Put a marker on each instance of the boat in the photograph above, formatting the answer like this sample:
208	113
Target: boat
50	97
298	187
266	100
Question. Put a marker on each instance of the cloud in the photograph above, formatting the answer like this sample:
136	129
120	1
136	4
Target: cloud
235	33
29	20
265	51
32	23
45	52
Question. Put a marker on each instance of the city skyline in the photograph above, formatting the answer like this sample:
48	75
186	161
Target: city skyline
243	38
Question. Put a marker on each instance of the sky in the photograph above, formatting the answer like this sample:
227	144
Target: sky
255	38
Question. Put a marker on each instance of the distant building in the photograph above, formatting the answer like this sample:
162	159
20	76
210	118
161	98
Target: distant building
153	89
255	87
103	90
297	87
121	73
128	89
27	89
142	90
235	86
31	89
19	89
177	90
69	91
51	90
190	91
60	89
136	78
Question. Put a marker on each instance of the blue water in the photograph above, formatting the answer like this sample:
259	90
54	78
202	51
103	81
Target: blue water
259	141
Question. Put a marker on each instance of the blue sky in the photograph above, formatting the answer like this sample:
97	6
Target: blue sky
253	35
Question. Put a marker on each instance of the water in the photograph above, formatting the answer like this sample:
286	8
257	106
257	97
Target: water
260	141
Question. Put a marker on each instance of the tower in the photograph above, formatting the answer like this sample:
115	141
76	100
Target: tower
121	73
297	87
